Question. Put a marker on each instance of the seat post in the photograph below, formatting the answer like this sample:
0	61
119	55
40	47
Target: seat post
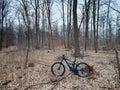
75	60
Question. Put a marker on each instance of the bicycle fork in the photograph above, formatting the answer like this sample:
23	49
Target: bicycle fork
59	67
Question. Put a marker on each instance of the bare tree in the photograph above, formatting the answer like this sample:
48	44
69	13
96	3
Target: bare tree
102	22
63	17
87	9
75	28
4	5
43	22
26	19
118	30
64	33
49	4
69	8
107	24
94	25
36	7
97	29
37	22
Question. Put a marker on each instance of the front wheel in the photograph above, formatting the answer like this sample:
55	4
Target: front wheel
58	69
83	69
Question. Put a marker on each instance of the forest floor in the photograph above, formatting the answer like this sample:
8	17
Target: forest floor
13	76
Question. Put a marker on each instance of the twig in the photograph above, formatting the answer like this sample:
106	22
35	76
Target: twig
118	63
55	82
26	61
6	82
49	82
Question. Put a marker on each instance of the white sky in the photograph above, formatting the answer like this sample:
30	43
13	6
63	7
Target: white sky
56	15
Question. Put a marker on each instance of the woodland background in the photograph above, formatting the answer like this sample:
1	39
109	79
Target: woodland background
33	33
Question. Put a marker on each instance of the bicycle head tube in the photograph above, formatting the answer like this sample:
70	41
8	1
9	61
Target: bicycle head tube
63	56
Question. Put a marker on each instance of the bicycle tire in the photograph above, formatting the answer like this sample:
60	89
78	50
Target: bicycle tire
83	71
61	65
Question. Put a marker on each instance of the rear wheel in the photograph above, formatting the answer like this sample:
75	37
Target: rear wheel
58	69
83	69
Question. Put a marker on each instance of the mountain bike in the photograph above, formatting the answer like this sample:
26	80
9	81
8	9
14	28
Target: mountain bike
81	69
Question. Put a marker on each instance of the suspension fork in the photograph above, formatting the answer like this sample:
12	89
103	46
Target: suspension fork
61	60
60	64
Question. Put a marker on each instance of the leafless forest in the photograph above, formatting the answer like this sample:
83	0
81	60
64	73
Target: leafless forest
35	33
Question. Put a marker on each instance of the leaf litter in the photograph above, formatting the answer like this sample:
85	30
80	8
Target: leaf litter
39	77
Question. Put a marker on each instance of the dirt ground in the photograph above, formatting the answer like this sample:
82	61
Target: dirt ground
39	77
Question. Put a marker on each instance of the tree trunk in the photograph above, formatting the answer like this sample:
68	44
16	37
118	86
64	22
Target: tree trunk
94	25
27	23
91	34
98	5
1	33
110	36
51	32
107	25
63	16
87	8
43	25
37	24
68	22
75	28
3	13
49	5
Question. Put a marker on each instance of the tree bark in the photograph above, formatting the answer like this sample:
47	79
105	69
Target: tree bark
48	8
69	5
107	25
27	23
97	29
87	8
4	4
94	25
43	24
1	33
75	28
63	17
36	23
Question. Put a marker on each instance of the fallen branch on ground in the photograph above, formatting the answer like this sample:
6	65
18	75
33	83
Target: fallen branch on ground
55	82
118	62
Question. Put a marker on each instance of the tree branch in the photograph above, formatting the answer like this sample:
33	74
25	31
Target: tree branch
112	7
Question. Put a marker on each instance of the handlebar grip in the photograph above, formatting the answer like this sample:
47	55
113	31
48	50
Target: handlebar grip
63	55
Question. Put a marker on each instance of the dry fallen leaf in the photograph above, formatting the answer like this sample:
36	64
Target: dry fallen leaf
11	67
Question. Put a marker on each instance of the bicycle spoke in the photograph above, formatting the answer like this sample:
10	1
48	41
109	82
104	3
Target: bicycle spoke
83	69
58	69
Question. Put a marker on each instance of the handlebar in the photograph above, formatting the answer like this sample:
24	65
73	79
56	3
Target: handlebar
63	56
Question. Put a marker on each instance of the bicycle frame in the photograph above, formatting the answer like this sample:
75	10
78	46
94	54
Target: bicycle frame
76	68
70	64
